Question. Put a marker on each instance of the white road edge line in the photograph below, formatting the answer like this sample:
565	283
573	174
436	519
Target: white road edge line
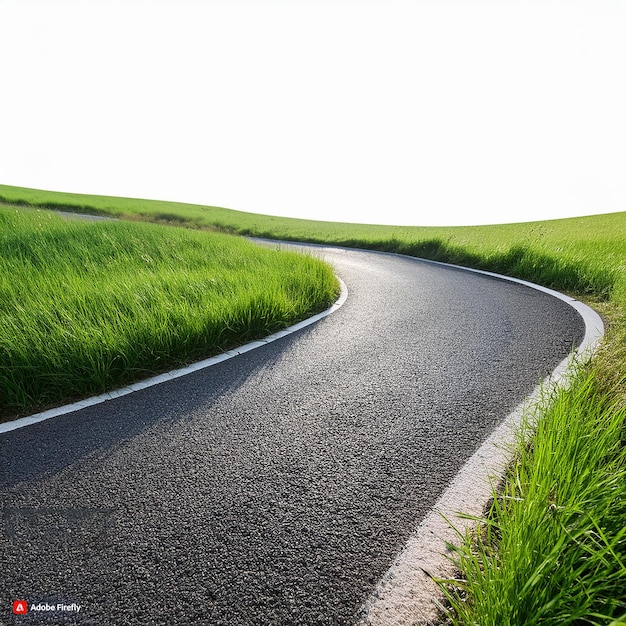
183	371
406	595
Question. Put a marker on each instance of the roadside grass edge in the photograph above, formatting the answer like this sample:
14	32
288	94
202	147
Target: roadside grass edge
549	546
86	307
173	374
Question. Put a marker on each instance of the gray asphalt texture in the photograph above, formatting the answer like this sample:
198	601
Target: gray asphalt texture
276	487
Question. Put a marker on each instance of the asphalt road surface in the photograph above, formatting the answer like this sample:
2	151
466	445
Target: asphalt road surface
278	486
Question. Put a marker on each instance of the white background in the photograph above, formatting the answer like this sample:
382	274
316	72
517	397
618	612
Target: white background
405	112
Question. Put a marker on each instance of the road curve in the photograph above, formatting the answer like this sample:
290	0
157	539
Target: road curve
278	486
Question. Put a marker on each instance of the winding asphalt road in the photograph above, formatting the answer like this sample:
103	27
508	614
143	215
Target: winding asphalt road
275	487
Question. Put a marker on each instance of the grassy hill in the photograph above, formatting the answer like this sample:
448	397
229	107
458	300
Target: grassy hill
583	255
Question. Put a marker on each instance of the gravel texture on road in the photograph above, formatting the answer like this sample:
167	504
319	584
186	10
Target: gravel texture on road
278	486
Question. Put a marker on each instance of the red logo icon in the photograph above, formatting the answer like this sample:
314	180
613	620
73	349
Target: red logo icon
20	607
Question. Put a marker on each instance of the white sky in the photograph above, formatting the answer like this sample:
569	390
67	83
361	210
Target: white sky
384	111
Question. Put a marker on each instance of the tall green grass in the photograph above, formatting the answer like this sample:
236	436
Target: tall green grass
552	549
87	306
585	256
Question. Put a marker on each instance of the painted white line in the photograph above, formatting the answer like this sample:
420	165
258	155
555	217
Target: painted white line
406	595
183	371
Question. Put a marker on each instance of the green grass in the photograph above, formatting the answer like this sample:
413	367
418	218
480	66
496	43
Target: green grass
584	256
89	306
553	547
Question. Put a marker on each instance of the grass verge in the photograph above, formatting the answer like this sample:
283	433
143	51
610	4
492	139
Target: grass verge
90	306
553	547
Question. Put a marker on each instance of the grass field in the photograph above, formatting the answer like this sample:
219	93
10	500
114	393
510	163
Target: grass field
552	550
89	306
585	256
